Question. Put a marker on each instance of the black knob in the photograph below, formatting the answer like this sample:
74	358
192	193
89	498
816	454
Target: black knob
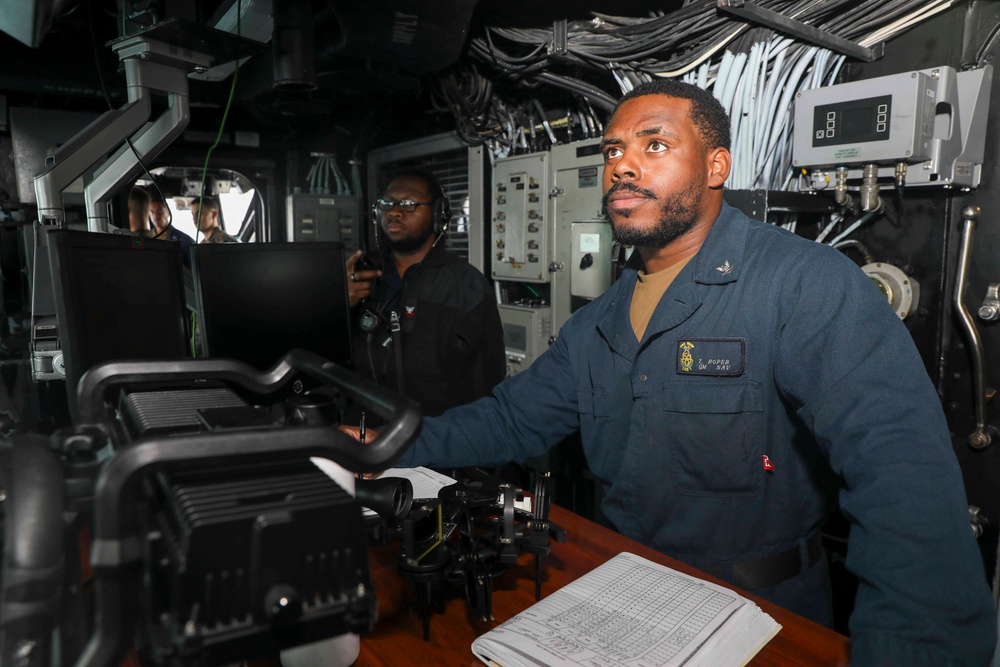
309	409
586	261
78	443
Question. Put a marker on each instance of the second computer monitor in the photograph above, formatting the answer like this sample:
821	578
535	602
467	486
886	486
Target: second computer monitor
257	301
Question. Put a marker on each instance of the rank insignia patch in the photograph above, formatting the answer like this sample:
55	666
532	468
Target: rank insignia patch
724	357
686	359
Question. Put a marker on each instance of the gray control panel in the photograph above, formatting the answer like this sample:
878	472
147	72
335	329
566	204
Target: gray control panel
932	121
322	218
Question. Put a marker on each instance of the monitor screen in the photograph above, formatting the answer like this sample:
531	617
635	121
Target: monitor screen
258	301
117	298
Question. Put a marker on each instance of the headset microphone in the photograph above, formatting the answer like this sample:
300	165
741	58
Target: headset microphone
376	219
441	218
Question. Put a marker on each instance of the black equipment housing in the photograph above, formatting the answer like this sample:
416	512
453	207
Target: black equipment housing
213	537
230	551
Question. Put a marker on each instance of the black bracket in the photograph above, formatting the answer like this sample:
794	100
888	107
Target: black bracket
771	19
560	32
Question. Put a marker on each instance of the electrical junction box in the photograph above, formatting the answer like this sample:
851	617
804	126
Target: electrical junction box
580	228
522	230
322	218
590	266
933	120
526	334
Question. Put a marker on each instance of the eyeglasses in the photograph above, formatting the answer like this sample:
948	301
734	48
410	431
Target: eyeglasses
405	205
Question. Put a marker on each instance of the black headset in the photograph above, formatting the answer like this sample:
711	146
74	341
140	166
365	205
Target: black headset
442	209
442	216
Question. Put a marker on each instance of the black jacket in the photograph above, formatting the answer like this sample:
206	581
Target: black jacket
452	339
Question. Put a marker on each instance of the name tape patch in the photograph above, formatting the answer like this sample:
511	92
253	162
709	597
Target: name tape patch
712	356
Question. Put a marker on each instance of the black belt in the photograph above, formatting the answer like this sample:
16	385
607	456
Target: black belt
767	570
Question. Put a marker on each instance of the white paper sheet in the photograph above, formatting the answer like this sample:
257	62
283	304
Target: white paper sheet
631	612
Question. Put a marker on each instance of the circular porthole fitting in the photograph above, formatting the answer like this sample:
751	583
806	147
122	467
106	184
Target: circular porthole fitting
900	290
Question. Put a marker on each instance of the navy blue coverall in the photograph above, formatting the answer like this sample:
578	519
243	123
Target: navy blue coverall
772	377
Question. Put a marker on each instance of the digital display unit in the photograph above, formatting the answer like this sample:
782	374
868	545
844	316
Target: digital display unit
515	336
117	298
526	334
854	121
258	301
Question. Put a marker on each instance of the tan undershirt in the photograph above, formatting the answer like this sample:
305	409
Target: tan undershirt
649	289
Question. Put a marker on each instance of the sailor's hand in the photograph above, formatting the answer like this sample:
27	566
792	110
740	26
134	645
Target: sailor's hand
370	434
359	281
355	432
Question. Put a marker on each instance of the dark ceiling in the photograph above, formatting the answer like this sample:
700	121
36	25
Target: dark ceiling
371	80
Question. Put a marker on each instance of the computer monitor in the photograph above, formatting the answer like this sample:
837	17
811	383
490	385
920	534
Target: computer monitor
117	298
258	301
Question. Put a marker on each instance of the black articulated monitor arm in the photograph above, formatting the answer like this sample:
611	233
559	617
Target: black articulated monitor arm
401	414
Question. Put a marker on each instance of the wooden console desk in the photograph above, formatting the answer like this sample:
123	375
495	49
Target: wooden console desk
397	640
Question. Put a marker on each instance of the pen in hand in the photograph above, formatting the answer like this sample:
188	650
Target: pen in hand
361	429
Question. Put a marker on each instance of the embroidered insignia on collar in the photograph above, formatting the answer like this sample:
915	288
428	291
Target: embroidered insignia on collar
725	269
410	311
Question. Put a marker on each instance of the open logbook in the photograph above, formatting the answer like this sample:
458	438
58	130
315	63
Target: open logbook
632	612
